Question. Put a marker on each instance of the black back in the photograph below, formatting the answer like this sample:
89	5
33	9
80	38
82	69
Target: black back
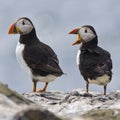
94	61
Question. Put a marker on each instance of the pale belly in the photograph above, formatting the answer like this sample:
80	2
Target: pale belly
103	80
48	78
24	66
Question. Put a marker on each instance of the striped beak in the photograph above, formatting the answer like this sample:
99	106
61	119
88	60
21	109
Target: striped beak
75	31
13	29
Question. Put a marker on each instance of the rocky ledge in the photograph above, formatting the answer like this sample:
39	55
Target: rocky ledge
74	105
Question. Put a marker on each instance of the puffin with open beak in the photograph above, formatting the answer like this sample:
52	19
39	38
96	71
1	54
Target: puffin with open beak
35	57
94	63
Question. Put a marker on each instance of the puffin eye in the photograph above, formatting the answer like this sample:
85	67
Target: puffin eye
85	30
23	23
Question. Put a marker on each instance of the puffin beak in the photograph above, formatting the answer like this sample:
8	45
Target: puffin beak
74	31
13	29
79	39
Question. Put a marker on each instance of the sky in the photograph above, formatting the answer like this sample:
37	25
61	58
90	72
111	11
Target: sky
53	19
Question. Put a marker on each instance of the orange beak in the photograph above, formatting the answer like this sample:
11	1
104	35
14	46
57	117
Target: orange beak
75	31
13	29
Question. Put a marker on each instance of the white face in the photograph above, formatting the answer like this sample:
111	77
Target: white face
24	26
86	34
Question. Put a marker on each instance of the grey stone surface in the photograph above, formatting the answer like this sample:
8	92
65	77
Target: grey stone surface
34	113
74	105
105	114
76	102
13	95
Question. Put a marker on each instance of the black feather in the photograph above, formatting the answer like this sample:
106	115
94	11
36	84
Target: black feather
94	61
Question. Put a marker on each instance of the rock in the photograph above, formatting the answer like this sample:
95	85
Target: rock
17	107
105	114
12	95
74	105
76	102
11	102
34	113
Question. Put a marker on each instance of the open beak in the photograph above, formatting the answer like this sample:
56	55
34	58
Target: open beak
13	29
75	31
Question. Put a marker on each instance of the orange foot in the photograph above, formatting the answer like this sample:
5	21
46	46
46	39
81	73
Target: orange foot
44	89
41	90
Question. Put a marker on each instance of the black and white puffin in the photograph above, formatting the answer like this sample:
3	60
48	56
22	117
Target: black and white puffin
37	58
94	63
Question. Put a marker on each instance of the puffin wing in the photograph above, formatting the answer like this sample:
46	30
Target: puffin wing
42	60
102	64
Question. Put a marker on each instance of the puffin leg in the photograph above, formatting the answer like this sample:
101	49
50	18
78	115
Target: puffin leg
87	87
44	88
105	87
34	85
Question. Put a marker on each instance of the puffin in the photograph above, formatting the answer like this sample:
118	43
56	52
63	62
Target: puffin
35	57
94	63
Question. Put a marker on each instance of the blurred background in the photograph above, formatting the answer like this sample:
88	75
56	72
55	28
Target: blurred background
53	19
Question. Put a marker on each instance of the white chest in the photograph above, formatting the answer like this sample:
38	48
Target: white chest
19	55
78	57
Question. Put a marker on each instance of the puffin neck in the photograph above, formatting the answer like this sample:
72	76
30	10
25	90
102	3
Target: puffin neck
91	44
29	38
